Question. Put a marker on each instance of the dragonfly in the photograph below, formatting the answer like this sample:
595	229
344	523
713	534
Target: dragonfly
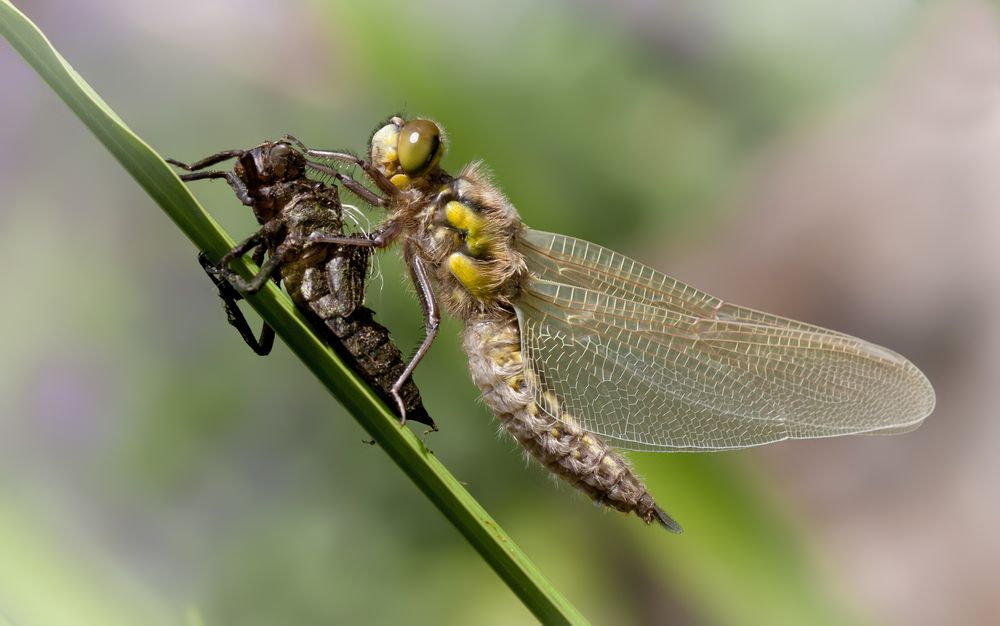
326	281
580	351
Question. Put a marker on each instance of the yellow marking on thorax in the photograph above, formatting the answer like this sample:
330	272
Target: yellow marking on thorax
467	273
465	219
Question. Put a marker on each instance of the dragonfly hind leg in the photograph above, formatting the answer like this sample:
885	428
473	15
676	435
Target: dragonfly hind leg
230	297
432	320
265	273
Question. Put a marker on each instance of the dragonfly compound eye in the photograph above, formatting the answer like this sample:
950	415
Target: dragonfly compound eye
420	146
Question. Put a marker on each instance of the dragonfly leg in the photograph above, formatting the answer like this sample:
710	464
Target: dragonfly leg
267	270
230	297
234	181
350	184
239	250
432	320
376	176
381	237
370	170
255	284
218	157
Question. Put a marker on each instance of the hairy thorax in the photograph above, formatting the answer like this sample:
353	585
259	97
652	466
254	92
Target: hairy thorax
464	231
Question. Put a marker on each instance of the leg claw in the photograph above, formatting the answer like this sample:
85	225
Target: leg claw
400	406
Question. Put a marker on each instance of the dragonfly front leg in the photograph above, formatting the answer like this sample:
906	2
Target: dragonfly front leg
350	184
218	157
432	320
376	176
230	177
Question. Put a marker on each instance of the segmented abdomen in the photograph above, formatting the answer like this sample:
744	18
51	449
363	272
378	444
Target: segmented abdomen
561	445
359	339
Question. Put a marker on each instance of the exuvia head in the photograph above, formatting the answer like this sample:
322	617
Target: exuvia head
407	151
270	163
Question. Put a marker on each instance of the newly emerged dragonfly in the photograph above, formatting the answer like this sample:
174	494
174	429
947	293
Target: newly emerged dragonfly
326	281
577	348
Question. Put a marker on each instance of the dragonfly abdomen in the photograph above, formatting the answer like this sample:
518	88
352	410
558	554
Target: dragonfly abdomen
562	445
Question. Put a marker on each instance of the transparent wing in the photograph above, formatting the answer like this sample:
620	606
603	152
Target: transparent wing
651	363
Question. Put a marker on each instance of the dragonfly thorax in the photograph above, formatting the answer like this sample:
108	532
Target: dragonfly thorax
465	233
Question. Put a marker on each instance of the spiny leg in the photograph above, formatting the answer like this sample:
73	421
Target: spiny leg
350	184
432	320
381	237
234	315
376	176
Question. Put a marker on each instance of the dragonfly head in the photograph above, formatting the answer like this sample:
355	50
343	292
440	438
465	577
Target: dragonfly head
408	152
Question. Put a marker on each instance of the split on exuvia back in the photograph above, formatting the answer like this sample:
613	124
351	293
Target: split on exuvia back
579	350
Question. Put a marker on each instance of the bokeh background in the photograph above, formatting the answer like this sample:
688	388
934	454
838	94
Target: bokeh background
833	162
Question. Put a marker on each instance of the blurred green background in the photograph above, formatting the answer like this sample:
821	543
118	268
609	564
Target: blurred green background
826	161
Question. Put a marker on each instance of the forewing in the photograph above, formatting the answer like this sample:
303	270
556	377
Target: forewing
654	364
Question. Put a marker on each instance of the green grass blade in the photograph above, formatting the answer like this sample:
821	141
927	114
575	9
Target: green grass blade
163	185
